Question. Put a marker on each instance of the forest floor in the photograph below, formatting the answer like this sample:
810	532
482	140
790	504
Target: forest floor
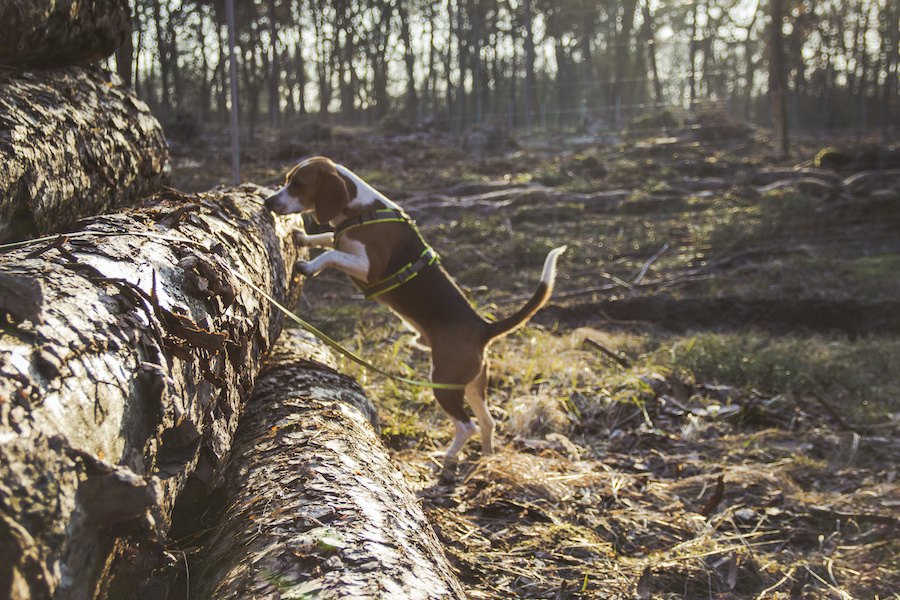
709	406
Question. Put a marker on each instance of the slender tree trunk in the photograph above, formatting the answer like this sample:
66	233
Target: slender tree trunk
563	79
79	143
529	96
139	47
323	60
162	49
172	48
431	85
749	66
777	86
221	68
203	103
301	76
651	54
692	56
448	60
462	52
275	69
891	45
306	447
409	59
128	351
62	32
623	53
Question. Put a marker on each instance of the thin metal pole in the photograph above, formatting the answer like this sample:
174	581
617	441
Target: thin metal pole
235	132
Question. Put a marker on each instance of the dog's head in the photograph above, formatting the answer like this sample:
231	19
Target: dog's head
313	185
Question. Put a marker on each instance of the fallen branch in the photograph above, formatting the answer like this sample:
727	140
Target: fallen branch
650	261
621	360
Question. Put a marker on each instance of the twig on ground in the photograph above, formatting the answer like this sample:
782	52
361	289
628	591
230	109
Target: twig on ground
621	360
643	271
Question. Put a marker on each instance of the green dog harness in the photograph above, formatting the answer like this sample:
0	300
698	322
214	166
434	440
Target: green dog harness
407	272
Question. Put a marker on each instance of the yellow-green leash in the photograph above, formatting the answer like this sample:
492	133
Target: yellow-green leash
341	349
287	312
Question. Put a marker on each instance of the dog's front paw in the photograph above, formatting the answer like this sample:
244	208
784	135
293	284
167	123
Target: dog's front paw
305	268
300	237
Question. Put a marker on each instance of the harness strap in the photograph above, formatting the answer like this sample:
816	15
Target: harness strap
407	272
385	215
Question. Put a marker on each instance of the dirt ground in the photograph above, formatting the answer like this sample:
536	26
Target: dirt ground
709	406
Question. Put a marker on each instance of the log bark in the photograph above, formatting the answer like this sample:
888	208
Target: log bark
125	362
314	506
74	142
61	32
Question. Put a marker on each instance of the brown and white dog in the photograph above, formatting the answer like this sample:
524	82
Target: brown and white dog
430	302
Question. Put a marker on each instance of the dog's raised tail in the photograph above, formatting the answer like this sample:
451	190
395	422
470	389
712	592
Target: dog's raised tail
538	299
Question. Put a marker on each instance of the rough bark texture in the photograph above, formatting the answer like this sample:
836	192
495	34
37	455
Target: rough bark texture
74	142
125	362
61	32
314	507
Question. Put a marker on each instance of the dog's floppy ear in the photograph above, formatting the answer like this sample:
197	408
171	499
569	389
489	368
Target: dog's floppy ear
331	195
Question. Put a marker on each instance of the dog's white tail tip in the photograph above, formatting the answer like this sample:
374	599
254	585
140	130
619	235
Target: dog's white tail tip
548	275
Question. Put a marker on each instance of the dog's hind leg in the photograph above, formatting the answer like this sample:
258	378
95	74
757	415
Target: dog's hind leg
449	366
452	401
476	395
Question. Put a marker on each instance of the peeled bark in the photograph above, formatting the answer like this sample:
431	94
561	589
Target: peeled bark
125	362
74	142
61	32
314	507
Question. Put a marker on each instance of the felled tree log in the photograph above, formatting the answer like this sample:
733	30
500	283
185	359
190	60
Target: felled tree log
314	507
125	362
74	142
61	32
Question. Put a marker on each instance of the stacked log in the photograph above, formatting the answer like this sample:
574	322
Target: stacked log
127	351
313	505
53	32
74	142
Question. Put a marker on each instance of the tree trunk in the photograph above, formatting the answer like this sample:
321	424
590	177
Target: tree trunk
75	142
777	83
623	55
651	55
162	50
530	93
692	58
275	70
314	507
125	362
409	59
749	66
61	32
